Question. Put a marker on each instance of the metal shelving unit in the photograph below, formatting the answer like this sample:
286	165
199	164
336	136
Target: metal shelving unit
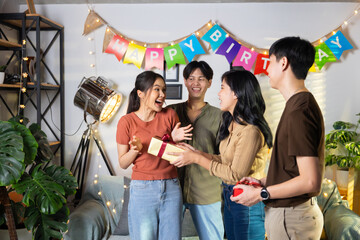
25	24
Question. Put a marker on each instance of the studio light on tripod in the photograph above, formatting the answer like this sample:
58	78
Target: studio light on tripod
96	98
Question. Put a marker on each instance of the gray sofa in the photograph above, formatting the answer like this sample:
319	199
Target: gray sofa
94	219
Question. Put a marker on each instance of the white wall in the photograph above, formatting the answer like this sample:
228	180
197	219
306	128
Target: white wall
9	6
336	87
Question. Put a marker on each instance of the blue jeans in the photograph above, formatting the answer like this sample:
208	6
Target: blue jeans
242	222
207	220
155	210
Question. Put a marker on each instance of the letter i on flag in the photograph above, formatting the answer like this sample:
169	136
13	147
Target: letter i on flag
154	57
117	46
338	44
245	58
229	48
215	36
191	47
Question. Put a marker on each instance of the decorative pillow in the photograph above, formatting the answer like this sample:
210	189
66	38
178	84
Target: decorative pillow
122	227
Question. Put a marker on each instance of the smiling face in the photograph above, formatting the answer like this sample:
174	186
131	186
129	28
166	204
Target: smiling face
197	84
227	98
154	98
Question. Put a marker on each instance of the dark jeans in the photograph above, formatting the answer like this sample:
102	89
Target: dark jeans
242	222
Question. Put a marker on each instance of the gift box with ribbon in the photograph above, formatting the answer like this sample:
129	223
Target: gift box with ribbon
161	146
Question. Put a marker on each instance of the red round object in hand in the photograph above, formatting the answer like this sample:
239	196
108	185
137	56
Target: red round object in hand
237	191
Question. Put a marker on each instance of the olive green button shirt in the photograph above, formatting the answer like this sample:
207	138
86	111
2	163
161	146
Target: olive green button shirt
198	186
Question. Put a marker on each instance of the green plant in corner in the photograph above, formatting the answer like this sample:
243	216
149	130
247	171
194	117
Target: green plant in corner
2	68
25	157
343	145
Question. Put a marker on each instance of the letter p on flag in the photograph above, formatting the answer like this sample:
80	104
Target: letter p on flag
154	57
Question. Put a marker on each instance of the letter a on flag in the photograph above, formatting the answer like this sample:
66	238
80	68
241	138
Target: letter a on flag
323	55
117	46
135	54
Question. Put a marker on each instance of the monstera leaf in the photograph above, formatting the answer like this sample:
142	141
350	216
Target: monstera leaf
30	144
45	226
44	151
63	177
41	189
11	154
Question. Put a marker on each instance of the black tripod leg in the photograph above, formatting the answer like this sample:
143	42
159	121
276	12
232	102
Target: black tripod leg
76	162
107	162
82	169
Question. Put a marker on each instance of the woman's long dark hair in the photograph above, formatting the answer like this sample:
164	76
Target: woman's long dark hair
144	81
250	105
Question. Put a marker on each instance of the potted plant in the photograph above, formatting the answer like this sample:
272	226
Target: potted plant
342	146
2	73
25	167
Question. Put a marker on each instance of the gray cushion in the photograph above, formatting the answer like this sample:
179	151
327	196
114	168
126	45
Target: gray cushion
93	219
122	226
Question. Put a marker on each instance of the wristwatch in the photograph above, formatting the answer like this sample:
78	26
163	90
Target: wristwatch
264	194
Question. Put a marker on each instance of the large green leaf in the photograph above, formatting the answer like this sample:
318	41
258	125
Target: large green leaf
339	136
45	227
45	153
354	148
63	177
40	188
11	154
343	125
30	144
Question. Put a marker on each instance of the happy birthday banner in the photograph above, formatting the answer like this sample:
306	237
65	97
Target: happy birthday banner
181	51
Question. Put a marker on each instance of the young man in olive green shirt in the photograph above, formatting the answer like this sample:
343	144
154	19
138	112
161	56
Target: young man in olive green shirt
201	191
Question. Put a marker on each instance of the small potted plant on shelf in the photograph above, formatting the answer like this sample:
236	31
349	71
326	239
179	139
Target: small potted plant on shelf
25	168
2	73
342	146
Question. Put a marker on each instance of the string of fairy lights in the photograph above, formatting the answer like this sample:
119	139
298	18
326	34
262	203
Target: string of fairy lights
97	21
199	33
93	65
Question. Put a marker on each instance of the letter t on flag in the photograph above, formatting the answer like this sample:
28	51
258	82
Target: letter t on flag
262	63
117	46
